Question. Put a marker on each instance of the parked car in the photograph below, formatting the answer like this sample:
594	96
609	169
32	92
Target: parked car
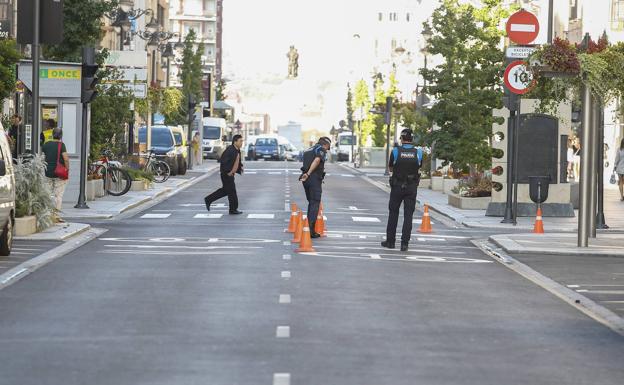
267	149
181	145
7	195
292	153
163	145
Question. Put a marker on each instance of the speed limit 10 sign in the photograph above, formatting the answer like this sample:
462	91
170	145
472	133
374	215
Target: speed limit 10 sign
519	78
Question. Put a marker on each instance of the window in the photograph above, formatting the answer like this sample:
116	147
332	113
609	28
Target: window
617	10
211	132
573	9
194	26
5	10
380	16
407	17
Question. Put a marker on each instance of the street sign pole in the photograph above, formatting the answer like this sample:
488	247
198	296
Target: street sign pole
600	218
510	160
584	184
594	166
35	76
516	136
388	118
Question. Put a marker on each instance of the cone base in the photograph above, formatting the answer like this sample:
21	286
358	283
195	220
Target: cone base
306	250
295	241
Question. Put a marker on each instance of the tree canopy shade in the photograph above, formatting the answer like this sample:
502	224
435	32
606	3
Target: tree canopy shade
9	56
468	84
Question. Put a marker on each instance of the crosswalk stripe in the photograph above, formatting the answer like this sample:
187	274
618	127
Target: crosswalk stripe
156	216
261	216
208	216
365	219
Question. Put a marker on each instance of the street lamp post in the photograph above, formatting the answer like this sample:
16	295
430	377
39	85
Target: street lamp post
122	18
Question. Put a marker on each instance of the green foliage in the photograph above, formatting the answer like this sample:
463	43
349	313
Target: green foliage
83	21
137	174
110	111
474	186
409	117
191	73
467	84
349	105
9	56
220	87
32	192
363	103
167	101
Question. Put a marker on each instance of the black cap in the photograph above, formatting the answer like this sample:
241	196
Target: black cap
407	135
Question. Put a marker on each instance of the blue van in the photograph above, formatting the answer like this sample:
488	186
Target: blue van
267	149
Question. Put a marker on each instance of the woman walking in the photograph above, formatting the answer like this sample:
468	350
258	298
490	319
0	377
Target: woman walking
618	167
57	170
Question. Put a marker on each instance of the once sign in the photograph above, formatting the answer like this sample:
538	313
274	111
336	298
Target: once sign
518	78
522	27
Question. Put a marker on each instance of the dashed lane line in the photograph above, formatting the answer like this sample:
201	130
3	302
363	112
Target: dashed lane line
286	274
208	216
282	332
281	379
284	299
156	216
365	219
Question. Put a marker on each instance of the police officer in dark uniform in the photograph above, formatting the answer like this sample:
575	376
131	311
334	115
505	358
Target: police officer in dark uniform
405	162
312	178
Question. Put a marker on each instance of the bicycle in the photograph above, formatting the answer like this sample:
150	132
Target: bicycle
158	168
117	181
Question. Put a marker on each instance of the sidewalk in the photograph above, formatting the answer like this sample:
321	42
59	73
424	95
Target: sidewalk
111	206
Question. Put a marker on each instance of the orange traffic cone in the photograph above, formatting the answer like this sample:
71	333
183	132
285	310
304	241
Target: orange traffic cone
292	225
425	226
319	226
306	241
539	224
299	229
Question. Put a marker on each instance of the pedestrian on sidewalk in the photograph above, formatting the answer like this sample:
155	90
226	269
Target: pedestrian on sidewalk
15	134
577	158
55	152
618	167
405	162
231	164
570	159
313	175
196	158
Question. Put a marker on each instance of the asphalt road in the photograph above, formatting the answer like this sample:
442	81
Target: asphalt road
177	295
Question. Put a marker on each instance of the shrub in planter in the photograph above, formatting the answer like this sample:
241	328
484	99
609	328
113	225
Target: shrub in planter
32	192
474	186
141	175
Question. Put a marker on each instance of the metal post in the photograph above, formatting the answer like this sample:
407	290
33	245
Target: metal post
600	217
352	139
388	116
510	149
82	197
584	184
359	141
131	130
550	20
168	67
35	76
594	166
189	134
516	142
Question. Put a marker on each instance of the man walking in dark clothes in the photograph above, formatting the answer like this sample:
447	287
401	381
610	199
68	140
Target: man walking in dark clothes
231	164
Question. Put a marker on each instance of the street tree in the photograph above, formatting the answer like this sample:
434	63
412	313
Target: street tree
191	73
362	103
349	106
220	89
82	25
9	56
467	85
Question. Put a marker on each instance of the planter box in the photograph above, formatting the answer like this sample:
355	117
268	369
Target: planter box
437	183
140	185
449	185
99	188
425	183
468	203
91	187
25	226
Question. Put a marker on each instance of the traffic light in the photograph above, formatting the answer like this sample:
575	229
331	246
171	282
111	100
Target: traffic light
89	78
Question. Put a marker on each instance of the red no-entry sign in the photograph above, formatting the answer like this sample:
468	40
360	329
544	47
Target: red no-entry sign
522	27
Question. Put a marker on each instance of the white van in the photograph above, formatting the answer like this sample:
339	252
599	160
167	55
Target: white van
343	146
212	139
7	195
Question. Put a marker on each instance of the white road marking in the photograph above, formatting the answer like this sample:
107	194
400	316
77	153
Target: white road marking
282	332
365	219
286	257
419	221
286	243
275	173
348	175
250	172
286	274
375	256
582	291
237	247
616	292
334	235
281	379
208	216
156	216
612	301
362	236
261	216
213	240
573	286
284	298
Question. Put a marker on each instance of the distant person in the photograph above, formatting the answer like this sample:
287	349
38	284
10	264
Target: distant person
14	133
576	166
196	149
55	152
570	159
313	175
231	164
405	162
618	167
46	134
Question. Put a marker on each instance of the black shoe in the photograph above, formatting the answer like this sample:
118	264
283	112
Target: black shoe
315	235
207	202
387	244
235	212
404	246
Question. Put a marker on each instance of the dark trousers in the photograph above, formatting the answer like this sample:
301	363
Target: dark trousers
229	189
405	194
313	189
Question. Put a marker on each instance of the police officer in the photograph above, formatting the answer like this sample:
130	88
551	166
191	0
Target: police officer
312	178
405	162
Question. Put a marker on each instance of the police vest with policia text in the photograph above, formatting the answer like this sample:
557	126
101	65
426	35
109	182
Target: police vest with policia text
407	166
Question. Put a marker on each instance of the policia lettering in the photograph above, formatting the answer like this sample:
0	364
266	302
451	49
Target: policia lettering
313	174
405	162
